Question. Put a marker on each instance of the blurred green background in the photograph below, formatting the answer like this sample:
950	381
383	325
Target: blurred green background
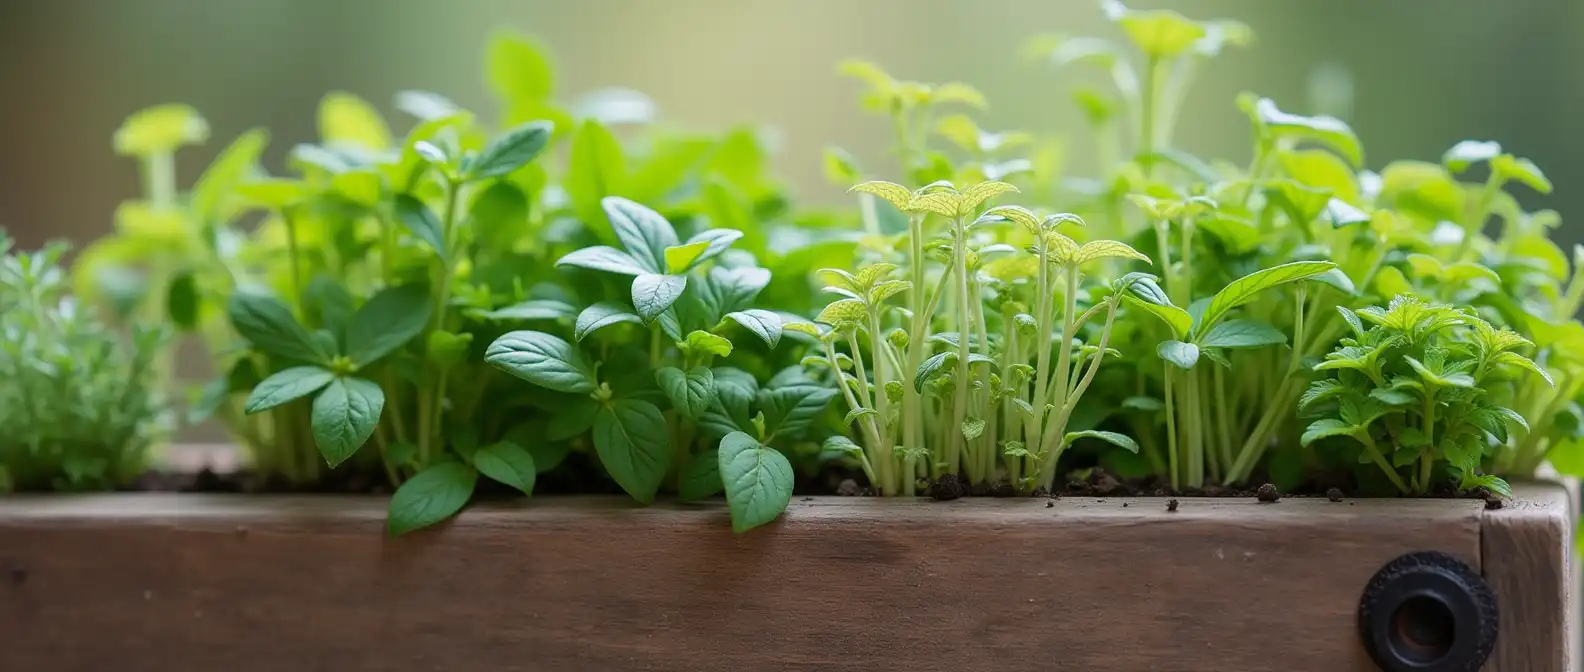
1423	74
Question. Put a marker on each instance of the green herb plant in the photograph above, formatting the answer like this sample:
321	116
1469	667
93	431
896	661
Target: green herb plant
81	404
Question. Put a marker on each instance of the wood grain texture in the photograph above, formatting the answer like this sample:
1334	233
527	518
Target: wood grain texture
205	583
1527	559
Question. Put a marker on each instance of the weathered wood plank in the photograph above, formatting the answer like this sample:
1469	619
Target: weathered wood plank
1527	548
177	582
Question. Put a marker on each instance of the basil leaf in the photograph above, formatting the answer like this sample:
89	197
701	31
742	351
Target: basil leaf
690	393
1242	334
511	150
430	496
508	464
386	322
603	258
421	221
652	294
344	416
757	480
644	233
1184	355
601	315
633	443
543	360
763	323
700	478
268	324
286	386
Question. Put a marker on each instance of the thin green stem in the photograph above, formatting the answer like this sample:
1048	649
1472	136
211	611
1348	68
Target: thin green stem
1379	459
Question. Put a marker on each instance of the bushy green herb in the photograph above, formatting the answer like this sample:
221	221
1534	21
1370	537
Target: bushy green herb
79	400
1254	271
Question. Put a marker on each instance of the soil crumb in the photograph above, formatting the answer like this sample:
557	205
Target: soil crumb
1493	503
848	488
1050	504
1171	506
1334	494
1268	493
947	488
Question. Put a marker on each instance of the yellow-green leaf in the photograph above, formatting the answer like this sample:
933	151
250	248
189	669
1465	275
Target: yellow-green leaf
845	311
1100	249
893	193
942	203
705	342
1015	213
1321	169
1161	33
274	193
680	258
1329	131
345	119
162	128
957	92
518	69
1521	170
979	193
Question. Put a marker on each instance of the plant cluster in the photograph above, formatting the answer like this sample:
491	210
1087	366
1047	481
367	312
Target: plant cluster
373	308
577	288
1170	319
80	403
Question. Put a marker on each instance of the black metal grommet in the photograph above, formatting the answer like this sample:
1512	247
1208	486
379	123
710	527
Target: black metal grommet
1428	612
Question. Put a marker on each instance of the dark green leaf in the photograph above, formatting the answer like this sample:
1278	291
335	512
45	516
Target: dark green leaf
643	232
652	294
633	443
701	477
1244	289
543	360
386	322
532	309
181	301
508	464
690	393
268	324
1119	440
511	150
758	481
420	221
791	401
1242	334
430	496
344	416
288	385
601	315
763	323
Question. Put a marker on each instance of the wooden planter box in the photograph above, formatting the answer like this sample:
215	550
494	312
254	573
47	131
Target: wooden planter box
240	583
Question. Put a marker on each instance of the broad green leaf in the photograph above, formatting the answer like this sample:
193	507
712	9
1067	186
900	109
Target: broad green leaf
544	442
601	315
979	193
700	478
690	393
1495	419
286	386
1244	289
345	119
1329	131
181	301
763	323
1160	33
269	326
1239	235
1183	355
158	129
602	258
633	443
1147	404
511	150
1302	204
272	193
652	293
932	367
542	359
682	258
1321	170
1337	279
430	496
532	309
1424	189
518	68
719	241
596	169
344	416
791	401
1469	152
420	221
843	312
644	233
1242	334
705	342
757	479
388	321
1320	429
735	288
1122	441
234	164
508	464
840	166
1100	249
1521	170
1390	282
